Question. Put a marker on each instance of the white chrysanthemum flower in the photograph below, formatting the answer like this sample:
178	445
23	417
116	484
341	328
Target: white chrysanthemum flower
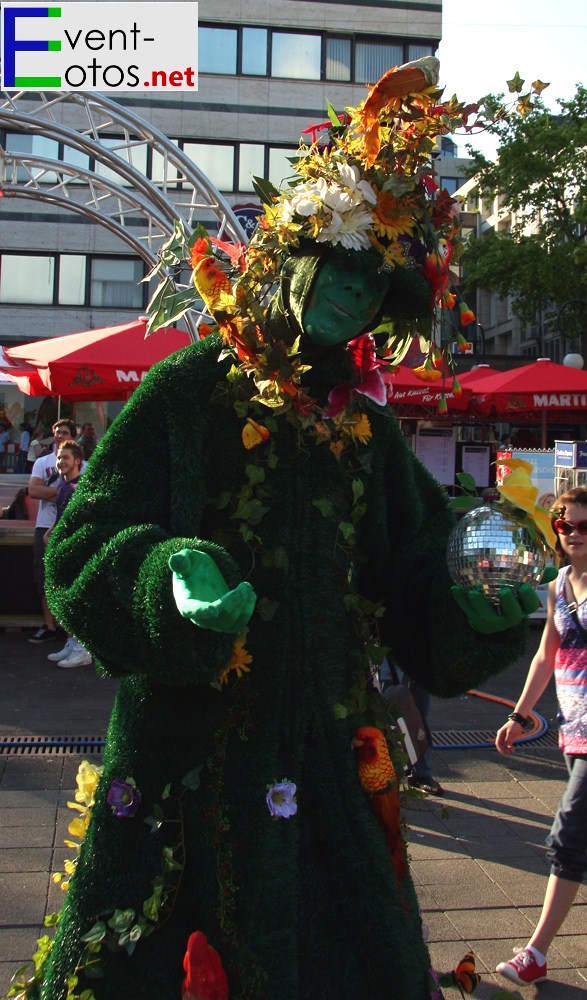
348	230
351	178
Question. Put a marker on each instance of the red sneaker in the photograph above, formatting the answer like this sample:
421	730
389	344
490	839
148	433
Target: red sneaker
523	969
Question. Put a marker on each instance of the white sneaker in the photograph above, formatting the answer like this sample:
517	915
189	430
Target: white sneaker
78	657
69	645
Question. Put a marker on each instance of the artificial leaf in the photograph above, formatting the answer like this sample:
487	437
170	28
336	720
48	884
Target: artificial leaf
515	84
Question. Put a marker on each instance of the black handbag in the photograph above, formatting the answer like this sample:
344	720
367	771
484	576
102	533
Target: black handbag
413	727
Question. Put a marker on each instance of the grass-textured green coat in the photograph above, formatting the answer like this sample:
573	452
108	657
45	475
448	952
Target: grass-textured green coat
300	909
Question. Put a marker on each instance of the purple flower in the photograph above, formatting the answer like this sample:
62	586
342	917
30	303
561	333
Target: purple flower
124	798
281	801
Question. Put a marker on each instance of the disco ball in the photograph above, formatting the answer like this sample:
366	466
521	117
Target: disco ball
489	550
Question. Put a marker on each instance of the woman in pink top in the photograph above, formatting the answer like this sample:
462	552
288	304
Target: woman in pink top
563	650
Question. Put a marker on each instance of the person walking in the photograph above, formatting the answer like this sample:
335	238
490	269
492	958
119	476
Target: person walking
42	486
563	650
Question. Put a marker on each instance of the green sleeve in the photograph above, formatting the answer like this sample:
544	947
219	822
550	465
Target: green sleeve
108	580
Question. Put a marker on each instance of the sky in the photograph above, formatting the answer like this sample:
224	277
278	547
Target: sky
484	44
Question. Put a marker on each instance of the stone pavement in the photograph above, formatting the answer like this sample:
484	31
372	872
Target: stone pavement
477	856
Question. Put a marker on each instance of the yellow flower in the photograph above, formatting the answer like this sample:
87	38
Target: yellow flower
519	490
87	779
361	429
238	662
393	216
78	826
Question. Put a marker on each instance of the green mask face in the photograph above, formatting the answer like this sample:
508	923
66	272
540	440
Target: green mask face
345	297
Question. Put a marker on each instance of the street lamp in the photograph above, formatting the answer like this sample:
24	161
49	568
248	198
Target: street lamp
570	322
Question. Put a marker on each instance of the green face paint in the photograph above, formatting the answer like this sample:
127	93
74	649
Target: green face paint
346	296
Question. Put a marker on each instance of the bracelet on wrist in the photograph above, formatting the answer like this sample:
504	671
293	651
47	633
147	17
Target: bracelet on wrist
522	720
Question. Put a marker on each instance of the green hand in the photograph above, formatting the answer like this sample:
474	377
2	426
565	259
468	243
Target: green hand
484	617
202	595
550	573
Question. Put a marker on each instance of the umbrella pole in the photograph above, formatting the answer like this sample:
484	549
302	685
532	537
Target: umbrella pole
59	407
543	429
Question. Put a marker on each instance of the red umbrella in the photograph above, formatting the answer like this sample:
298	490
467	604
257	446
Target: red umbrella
408	388
474	375
108	363
540	387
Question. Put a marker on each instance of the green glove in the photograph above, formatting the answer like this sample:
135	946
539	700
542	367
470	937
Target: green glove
483	616
202	595
550	573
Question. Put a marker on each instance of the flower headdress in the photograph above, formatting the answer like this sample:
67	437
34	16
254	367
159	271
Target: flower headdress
363	183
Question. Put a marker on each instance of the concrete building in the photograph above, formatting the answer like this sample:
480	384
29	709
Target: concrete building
267	70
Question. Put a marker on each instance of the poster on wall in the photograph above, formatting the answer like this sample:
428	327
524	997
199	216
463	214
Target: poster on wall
475	459
436	449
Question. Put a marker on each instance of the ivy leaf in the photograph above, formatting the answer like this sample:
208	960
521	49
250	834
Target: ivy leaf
467	481
515	84
267	608
255	474
166	792
222	501
347	531
191	780
121	920
340	711
51	920
96	933
324	506
358	489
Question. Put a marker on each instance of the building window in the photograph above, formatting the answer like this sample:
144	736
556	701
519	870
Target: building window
33	145
26	278
215	161
254	55
373	59
251	164
217	50
296	57
115	283
303	56
72	280
279	165
338	59
451	184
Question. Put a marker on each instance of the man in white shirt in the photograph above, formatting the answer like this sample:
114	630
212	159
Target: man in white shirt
43	487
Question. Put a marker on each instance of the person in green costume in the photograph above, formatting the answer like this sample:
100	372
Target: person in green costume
230	583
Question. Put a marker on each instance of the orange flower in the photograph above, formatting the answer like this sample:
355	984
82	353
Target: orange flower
200	249
466	315
427	374
456	387
442	406
254	434
238	662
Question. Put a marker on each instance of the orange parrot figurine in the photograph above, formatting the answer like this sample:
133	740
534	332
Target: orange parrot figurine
214	286
378	779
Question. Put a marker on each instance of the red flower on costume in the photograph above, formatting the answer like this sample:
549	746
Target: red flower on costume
372	377
205	978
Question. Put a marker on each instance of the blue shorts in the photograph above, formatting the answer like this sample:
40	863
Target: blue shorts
567	840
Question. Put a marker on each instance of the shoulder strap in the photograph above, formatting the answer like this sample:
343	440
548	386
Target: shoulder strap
572	606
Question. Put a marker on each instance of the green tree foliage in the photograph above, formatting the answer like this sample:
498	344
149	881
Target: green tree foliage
540	176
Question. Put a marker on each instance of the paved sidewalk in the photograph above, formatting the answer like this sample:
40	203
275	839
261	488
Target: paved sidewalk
477	856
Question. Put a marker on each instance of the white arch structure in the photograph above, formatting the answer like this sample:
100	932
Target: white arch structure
117	202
